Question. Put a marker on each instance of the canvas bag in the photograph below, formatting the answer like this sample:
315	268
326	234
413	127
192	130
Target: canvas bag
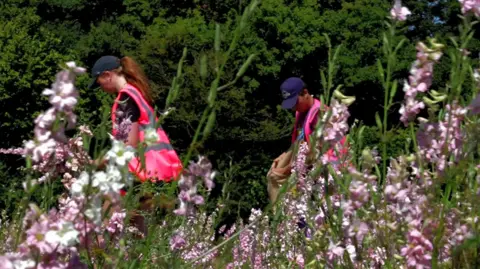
275	180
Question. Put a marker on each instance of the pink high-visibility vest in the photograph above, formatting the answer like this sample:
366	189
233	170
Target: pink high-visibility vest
307	129
161	160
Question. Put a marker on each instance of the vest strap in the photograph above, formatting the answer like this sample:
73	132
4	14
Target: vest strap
151	117
159	146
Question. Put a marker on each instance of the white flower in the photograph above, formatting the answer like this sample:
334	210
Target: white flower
28	184
94	213
65	236
43	149
77	186
76	69
399	12
120	154
168	111
352	253
109	182
24	264
151	136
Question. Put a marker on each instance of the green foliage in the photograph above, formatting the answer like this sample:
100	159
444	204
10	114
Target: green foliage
30	57
10	188
397	140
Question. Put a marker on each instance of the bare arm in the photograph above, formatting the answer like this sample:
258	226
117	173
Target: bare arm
133	136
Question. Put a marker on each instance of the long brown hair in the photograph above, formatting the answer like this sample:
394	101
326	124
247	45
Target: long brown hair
134	75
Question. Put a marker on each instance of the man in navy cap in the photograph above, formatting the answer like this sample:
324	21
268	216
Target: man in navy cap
296	97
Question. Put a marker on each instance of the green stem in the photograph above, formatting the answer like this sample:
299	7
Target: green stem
195	137
386	104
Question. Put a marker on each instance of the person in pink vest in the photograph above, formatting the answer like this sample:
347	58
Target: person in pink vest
124	78
297	97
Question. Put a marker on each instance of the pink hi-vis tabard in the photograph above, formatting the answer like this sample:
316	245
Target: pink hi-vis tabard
161	160
307	130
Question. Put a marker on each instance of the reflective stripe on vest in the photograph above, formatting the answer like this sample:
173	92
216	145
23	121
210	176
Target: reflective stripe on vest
159	146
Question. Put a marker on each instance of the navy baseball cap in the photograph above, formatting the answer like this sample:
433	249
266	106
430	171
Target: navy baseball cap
105	63
290	89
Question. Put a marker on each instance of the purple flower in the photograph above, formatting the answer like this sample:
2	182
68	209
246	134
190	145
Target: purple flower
177	242
188	184
474	106
122	130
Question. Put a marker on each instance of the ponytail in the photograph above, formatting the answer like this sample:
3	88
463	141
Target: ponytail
135	76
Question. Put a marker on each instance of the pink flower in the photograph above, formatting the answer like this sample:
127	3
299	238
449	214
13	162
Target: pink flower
470	6
115	224
459	235
420	80
84	129
418	250
334	252
398	12
358	230
299	167
36	236
14	151
337	126
299	260
359	193
441	142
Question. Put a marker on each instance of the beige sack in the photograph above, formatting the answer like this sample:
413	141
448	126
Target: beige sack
275	180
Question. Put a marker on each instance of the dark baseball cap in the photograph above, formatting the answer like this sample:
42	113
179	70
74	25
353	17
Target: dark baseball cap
290	89
105	63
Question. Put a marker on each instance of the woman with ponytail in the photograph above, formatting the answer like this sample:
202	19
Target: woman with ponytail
124	78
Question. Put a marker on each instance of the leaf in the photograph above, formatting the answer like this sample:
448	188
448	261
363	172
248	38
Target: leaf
379	122
335	55
329	45
400	44
454	42
360	136
324	80
381	72
393	91
210	123
217	37
203	66
385	44
245	65
213	92
469	37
